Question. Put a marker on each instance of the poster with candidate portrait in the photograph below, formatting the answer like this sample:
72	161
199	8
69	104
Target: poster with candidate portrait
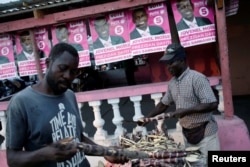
25	55
149	29
110	37
194	22
43	45
75	34
7	61
231	7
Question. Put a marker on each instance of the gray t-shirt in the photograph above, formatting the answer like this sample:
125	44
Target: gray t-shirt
35	120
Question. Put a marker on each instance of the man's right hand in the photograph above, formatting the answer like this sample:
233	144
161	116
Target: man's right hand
61	150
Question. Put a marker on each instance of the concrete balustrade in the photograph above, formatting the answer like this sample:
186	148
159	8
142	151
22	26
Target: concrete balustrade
113	95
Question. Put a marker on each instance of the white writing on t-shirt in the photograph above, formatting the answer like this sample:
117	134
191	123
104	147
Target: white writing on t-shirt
63	125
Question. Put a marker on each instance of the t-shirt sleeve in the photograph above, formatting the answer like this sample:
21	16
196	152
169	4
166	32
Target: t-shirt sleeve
16	129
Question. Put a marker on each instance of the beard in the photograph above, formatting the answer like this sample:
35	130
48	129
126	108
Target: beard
58	87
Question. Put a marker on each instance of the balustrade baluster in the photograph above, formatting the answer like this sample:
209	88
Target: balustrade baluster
3	121
221	99
157	97
138	114
80	105
100	134
118	119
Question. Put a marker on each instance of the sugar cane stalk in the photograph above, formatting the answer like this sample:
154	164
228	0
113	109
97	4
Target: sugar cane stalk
109	151
167	154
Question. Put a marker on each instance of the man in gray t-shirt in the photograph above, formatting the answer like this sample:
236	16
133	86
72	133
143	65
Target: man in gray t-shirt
43	123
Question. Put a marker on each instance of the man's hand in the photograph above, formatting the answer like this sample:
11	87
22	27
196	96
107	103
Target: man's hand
116	160
61	150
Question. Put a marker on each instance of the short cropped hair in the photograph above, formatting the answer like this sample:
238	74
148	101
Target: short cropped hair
61	47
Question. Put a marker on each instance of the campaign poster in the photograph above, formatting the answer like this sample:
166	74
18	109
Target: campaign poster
231	7
149	29
110	36
25	55
43	45
75	34
7	60
194	22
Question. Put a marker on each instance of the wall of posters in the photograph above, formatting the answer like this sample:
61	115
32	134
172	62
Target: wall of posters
149	29
116	36
194	22
75	34
7	62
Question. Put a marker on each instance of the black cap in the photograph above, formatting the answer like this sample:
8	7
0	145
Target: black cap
173	51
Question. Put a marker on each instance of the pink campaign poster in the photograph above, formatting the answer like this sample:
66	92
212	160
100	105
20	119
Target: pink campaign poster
43	45
110	38
149	29
194	22
7	61
75	34
231	7
25	53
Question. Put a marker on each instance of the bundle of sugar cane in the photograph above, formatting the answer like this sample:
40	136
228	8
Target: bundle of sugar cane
162	149
149	143
168	159
109	151
168	162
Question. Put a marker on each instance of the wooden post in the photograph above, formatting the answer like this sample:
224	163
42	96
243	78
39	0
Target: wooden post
220	4
37	57
38	14
224	60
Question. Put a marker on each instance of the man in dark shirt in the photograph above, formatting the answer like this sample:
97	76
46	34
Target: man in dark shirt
34	137
28	49
140	19
104	38
188	20
62	35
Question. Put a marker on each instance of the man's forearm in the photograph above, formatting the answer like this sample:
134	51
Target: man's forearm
159	109
24	158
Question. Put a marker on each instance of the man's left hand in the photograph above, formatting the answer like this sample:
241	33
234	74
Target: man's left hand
116	160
